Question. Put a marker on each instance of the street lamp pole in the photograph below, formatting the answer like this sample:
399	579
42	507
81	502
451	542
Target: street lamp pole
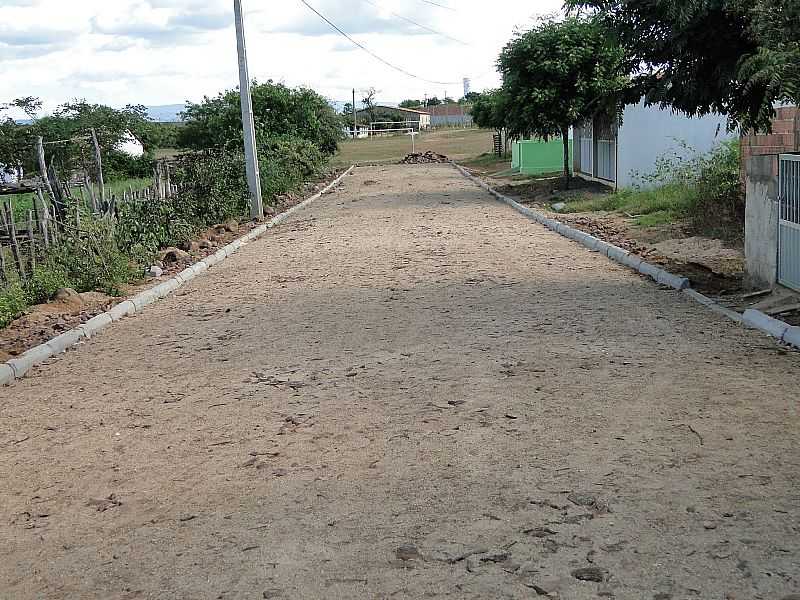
250	149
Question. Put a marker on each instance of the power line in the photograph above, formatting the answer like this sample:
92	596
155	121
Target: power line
420	25
439	5
371	53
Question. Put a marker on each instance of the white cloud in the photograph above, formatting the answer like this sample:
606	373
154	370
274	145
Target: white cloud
167	51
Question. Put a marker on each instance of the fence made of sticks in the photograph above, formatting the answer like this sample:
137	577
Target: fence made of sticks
58	203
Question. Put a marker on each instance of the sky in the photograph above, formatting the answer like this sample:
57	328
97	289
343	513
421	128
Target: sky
157	52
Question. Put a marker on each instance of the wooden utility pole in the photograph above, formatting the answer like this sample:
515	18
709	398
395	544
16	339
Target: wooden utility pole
250	149
355	116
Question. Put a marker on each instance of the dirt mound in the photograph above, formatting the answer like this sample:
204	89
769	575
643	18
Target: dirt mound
425	158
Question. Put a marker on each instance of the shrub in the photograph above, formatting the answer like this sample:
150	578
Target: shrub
277	111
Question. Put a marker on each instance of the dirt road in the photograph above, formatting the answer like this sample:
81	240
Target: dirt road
409	391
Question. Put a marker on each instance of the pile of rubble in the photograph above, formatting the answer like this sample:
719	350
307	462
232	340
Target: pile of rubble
424	159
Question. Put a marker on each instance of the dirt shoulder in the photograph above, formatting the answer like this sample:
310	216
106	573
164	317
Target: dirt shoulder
43	322
408	390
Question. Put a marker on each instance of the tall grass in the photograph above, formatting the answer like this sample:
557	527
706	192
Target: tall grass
703	189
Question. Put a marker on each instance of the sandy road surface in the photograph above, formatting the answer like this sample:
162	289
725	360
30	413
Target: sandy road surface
409	391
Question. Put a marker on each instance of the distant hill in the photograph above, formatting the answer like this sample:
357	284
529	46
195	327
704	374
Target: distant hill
168	113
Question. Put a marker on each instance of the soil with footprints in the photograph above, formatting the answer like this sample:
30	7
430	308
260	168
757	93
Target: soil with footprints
407	391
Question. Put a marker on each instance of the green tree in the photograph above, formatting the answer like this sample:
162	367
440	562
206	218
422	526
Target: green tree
469	98
734	57
489	110
410	104
277	111
433	101
560	73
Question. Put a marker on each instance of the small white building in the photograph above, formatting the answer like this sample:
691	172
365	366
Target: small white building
10	175
130	146
362	131
618	154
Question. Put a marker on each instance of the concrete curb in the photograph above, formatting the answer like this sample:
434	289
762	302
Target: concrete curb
755	319
18	367
591	242
751	318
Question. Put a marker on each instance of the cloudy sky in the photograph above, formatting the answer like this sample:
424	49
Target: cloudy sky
167	51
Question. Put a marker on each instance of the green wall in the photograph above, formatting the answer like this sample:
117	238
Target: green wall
534	157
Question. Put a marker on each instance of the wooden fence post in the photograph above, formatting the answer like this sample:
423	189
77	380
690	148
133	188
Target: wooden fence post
32	237
43	165
99	160
8	219
43	220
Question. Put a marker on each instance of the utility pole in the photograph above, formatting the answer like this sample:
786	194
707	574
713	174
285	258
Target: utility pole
355	119
250	149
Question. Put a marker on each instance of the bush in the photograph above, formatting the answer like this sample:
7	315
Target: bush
12	303
277	111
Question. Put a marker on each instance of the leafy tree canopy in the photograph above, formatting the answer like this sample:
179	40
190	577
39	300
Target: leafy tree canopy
277	111
560	73
735	57
489	109
410	104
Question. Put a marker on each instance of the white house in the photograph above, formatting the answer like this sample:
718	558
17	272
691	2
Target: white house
10	175
129	145
616	154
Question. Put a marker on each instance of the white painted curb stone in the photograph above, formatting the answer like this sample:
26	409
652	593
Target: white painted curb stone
6	374
792	336
591	242
30	359
18	367
758	320
751	318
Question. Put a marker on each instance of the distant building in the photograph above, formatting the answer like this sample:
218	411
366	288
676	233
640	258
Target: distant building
10	175
362	131
450	115
418	120
130	146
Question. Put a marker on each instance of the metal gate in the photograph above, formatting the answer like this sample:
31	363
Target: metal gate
789	221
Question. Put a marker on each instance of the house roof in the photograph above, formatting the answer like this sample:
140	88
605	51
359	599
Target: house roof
448	110
406	110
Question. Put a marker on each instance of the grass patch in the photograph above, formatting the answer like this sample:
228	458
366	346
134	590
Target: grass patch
458	144
649	207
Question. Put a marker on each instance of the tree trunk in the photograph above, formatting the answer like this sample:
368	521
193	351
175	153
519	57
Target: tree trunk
565	140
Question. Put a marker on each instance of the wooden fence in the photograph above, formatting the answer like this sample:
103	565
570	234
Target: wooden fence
57	206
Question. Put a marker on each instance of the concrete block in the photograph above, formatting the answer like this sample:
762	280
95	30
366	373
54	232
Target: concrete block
94	326
7	376
792	336
122	310
165	289
632	261
603	247
34	356
209	261
187	274
220	254
673	281
66	340
651	271
144	299
594	243
562	229
616	254
758	320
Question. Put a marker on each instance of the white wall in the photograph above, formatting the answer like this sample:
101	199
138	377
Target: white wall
649	132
